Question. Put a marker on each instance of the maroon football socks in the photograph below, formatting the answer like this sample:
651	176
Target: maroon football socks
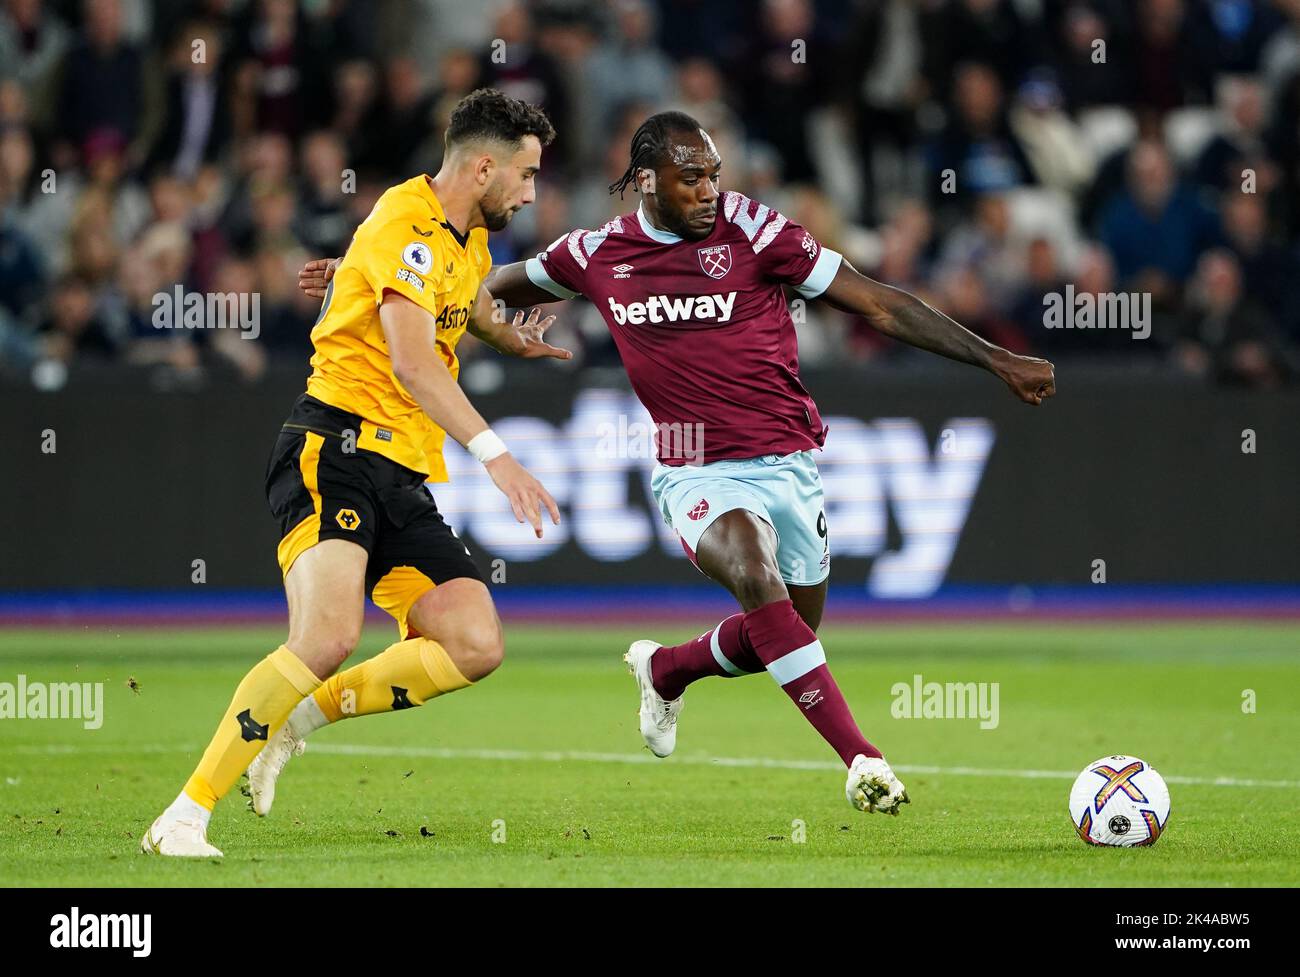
775	638
794	657
724	651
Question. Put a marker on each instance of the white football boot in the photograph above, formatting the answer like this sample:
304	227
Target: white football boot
658	715
182	837
267	766
873	788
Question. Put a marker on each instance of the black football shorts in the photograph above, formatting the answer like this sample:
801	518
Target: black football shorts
319	491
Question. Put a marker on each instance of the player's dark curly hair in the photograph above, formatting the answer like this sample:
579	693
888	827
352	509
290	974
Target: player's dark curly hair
650	145
490	114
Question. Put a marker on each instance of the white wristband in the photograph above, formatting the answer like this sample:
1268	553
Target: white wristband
485	446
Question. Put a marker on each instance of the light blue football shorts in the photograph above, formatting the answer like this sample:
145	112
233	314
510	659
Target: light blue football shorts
783	490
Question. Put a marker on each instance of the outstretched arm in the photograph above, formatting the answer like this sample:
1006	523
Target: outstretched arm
511	284
518	338
906	318
409	331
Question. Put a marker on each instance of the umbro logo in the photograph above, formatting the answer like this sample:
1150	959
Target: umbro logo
622	271
810	698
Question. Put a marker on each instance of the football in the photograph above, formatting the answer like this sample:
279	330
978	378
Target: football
1119	802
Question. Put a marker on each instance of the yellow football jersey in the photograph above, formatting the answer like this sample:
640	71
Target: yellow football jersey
405	246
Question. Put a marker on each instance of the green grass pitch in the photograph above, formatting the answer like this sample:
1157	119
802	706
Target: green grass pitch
545	756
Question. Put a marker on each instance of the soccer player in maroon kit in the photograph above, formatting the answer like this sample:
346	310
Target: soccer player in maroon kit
691	287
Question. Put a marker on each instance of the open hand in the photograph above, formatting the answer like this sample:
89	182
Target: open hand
316	274
529	333
526	494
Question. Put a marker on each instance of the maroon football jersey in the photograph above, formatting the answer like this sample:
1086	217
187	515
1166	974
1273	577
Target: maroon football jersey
703	326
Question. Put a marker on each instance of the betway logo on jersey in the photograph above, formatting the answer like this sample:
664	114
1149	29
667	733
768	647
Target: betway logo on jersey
662	308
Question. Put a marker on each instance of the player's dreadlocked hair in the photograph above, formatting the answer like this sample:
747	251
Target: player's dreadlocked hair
650	144
490	114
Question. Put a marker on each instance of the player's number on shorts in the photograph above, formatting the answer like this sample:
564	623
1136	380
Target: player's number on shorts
821	524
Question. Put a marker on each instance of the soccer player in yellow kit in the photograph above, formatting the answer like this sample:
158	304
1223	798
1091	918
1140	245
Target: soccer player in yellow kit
346	477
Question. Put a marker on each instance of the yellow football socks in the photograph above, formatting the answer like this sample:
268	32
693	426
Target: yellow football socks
261	704
406	674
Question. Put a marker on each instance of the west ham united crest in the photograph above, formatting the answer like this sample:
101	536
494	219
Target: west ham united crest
716	261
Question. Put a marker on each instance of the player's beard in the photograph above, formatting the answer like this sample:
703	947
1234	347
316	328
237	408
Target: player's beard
679	224
495	214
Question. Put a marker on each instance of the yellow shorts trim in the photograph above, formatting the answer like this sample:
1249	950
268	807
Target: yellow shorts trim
397	591
306	534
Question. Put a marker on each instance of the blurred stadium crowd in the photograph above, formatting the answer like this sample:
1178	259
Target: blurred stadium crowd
980	153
